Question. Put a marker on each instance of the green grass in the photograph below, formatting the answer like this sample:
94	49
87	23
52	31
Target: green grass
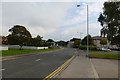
12	52
102	54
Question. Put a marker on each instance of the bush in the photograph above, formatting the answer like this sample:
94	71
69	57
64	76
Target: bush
105	56
90	47
75	46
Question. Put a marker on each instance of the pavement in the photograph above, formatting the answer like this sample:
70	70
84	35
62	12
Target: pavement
35	66
84	67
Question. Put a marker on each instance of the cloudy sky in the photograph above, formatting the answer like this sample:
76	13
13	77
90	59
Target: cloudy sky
50	19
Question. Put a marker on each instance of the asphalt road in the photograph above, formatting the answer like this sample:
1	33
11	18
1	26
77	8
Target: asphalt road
36	66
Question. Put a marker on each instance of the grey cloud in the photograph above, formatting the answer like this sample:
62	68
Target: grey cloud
45	17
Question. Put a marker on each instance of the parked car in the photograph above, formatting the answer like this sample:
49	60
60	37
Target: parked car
115	48
105	49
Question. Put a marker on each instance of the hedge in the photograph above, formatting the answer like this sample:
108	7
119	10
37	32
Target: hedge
90	47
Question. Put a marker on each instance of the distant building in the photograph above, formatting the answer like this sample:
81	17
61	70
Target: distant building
96	40
71	42
3	40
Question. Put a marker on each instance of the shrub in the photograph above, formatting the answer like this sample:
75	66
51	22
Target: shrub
90	47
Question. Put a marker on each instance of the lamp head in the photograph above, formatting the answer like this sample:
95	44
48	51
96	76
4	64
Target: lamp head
78	5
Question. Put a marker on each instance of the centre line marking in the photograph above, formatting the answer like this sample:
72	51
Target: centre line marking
2	69
38	60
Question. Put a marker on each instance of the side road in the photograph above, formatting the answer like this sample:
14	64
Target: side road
83	67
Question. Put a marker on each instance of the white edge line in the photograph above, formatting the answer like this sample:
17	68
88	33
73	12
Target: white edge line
2	69
94	70
38	60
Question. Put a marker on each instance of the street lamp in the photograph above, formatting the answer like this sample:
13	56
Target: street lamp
87	27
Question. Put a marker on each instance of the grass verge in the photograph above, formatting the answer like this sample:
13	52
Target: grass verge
104	56
12	52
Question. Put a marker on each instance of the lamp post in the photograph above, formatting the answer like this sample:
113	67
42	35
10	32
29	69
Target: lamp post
87	28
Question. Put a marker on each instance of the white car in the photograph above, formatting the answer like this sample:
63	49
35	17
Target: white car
105	49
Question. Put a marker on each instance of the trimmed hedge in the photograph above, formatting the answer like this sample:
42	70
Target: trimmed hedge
104	56
90	47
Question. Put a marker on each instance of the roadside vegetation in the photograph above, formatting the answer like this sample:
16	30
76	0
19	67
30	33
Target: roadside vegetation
12	52
104	55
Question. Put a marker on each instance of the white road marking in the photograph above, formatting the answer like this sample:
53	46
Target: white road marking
2	69
94	71
38	60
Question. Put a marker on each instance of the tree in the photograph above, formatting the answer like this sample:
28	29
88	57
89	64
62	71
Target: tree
62	43
50	42
110	21
103	32
76	43
19	36
44	43
101	19
103	41
37	41
84	40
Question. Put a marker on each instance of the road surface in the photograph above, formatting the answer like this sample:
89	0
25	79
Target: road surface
36	66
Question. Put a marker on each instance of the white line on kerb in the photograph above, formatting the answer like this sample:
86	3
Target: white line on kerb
38	60
2	69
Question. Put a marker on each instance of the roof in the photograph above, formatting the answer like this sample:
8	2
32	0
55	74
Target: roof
96	37
73	39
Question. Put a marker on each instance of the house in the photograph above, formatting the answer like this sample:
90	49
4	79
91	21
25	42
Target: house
97	39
